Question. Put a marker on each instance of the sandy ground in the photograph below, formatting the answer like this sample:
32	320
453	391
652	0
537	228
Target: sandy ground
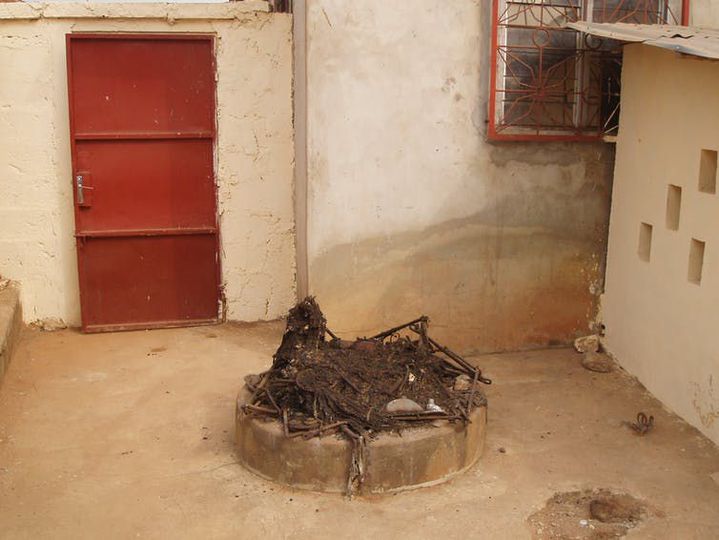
130	435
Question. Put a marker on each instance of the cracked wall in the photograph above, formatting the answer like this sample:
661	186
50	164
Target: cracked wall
254	150
412	211
661	321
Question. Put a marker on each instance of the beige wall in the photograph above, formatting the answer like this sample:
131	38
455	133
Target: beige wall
660	326
411	211
254	152
705	13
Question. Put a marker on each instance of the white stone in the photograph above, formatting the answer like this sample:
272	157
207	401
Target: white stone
403	405
587	343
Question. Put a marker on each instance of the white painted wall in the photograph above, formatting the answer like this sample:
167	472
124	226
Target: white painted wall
660	326
254	151
412	211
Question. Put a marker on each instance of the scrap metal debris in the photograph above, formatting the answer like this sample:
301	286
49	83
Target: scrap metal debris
355	389
643	424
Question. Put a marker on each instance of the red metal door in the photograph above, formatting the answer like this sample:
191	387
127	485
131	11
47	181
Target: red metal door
142	122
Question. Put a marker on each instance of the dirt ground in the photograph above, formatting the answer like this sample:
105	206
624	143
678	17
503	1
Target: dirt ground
130	436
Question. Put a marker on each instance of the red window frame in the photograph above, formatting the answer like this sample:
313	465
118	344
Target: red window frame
546	88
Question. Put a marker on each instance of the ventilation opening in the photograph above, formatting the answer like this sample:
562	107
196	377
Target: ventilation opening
674	207
708	171
696	261
645	241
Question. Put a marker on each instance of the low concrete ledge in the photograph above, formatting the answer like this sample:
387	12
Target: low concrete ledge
172	11
10	325
421	456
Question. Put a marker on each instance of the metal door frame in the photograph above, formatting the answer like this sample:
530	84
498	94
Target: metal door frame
150	36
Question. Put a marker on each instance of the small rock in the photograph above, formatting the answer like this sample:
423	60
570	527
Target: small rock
462	383
583	522
433	407
502	450
403	405
594	361
715	477
4	283
50	324
587	343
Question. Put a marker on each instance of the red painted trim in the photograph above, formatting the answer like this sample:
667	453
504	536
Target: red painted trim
491	126
141	35
79	242
686	12
93	329
549	138
159	135
218	237
145	232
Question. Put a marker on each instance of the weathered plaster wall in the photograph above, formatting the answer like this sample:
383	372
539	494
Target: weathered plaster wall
660	326
411	211
254	152
705	13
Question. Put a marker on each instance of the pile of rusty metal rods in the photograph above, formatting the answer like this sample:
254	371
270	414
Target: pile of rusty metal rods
333	413
309	427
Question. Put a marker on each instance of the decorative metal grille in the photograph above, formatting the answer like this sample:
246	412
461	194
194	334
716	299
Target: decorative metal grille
554	83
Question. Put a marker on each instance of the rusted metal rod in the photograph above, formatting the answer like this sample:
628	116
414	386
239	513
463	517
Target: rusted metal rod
391	331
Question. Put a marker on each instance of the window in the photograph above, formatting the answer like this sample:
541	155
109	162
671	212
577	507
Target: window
551	82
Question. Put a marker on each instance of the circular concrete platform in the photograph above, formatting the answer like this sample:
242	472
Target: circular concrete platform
421	456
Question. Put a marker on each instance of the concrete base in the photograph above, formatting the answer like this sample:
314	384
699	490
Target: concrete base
10	325
420	456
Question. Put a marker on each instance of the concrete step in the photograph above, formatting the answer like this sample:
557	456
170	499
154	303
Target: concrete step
10	324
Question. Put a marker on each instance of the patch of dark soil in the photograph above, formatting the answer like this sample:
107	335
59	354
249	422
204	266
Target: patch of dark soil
592	514
318	386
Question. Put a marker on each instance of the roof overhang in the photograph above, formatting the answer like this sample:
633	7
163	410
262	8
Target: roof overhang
702	42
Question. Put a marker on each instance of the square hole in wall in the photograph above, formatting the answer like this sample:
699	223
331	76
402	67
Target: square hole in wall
708	171
696	260
645	241
674	206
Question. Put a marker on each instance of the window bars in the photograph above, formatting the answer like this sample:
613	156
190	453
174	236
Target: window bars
550	82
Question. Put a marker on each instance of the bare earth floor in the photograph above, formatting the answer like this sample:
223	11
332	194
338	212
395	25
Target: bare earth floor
130	435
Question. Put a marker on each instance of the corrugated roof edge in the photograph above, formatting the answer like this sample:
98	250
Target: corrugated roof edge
701	42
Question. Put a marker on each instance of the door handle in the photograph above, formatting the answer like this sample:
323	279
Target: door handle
81	181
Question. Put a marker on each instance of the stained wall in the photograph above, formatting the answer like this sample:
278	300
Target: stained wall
411	210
